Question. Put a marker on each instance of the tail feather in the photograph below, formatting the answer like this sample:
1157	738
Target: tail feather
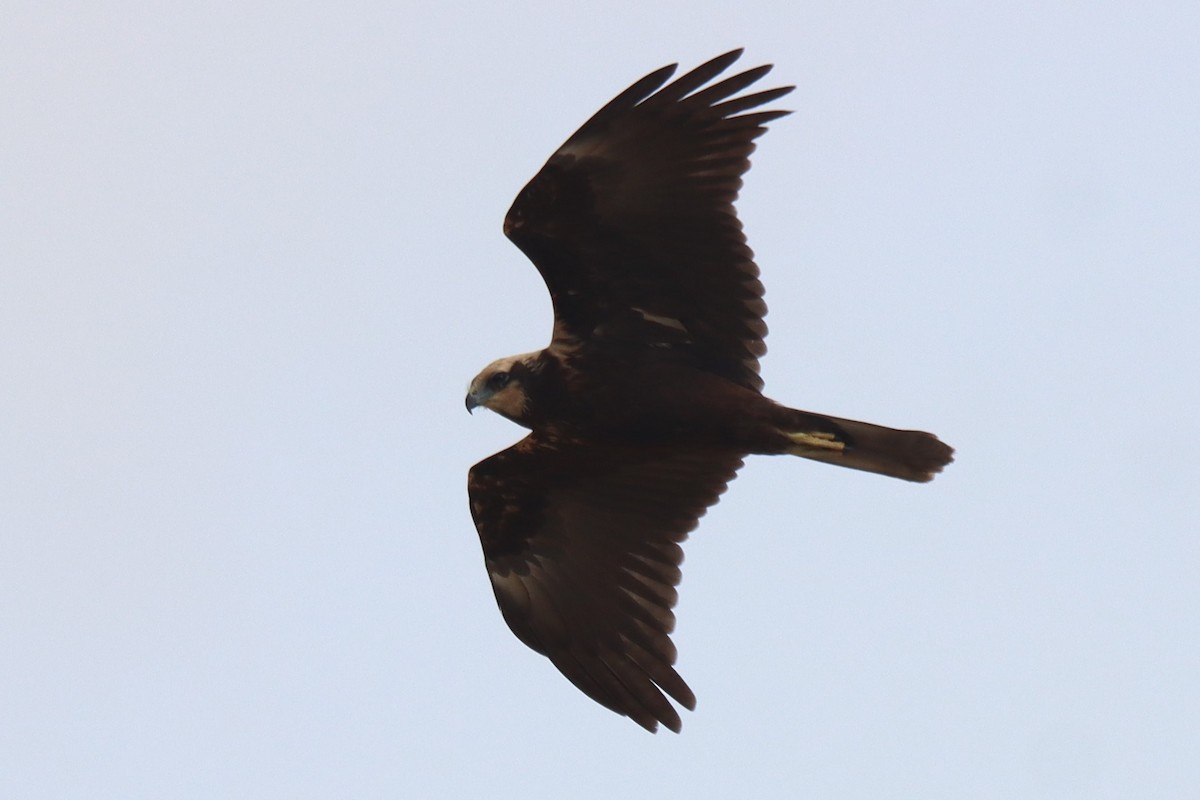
908	455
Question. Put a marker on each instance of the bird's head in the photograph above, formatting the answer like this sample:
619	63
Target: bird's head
501	387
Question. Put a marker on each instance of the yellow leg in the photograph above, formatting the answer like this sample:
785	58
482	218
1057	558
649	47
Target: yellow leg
819	441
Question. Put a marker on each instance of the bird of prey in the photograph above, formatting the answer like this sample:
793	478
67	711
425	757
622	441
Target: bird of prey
648	397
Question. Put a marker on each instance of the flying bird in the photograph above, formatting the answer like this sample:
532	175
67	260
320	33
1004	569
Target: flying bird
648	398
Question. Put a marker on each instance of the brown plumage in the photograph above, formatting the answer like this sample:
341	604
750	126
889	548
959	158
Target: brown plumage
648	397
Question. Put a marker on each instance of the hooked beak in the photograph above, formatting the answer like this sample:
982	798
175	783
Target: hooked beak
472	403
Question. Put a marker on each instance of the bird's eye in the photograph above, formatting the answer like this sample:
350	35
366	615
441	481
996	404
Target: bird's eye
498	381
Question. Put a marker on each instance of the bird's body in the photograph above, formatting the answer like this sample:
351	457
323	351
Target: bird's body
648	397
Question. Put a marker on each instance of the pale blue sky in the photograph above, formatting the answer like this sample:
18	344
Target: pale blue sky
250	255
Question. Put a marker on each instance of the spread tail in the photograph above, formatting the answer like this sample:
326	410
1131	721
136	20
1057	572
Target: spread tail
908	455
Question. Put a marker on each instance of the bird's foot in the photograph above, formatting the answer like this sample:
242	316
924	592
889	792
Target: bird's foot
820	440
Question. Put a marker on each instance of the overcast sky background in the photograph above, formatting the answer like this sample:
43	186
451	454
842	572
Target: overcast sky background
250	255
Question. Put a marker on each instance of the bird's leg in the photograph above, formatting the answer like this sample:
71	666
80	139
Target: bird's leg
820	440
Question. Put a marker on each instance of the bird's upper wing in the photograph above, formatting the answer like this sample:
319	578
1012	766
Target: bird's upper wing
632	225
581	542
